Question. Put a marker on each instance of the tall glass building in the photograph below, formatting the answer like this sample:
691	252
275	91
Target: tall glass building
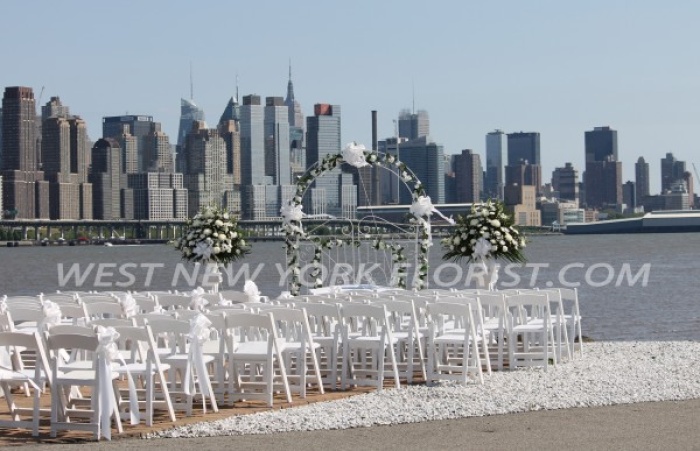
495	145
426	159
323	138
189	114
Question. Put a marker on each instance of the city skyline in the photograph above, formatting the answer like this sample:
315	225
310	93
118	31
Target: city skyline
567	81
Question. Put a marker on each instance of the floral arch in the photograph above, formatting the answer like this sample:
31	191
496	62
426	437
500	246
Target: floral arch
420	211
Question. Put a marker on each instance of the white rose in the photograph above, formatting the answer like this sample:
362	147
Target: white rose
216	249
505	249
457	240
234	235
494	248
242	242
487	235
474	222
226	216
463	249
219	223
495	223
222	237
206	232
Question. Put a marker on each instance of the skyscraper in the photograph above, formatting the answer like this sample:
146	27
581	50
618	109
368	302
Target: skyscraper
565	180
140	127
189	114
157	154
277	149
426	159
495	145
206	179
105	178
672	170
603	177
323	138
252	128
603	186
24	191
413	125
296	117
641	177
629	194
65	156
468	175
601	143
524	146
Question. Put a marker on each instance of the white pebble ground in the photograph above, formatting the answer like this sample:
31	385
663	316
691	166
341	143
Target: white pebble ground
609	373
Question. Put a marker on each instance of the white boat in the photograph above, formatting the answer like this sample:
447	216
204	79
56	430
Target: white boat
108	244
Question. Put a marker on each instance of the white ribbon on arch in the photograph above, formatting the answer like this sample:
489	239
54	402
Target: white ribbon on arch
354	155
421	208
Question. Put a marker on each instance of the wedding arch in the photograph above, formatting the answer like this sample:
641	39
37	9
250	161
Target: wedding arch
377	233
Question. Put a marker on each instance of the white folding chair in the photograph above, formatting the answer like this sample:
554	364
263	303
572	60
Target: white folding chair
141	361
325	323
530	333
298	348
367	344
11	376
453	344
102	407
256	365
186	358
569	296
410	341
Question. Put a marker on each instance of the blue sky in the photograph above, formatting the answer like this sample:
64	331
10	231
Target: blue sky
556	67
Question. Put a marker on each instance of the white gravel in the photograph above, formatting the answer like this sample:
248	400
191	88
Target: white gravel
609	373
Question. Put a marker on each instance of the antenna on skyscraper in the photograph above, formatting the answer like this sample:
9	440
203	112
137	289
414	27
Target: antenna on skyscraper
290	69
238	99
191	83
413	97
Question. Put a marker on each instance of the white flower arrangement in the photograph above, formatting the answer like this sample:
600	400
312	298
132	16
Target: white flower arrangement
487	232
211	236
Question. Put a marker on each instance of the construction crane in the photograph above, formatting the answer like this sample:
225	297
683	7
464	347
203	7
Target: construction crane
695	170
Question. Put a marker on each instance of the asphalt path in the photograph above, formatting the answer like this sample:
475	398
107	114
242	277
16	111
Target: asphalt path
659	425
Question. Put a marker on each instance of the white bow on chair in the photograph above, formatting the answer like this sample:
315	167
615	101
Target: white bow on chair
52	316
198	302
129	306
251	289
107	352
199	333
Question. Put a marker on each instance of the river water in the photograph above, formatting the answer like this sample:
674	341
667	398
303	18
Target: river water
642	286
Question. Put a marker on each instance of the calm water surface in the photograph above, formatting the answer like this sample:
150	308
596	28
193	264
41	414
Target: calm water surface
667	307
